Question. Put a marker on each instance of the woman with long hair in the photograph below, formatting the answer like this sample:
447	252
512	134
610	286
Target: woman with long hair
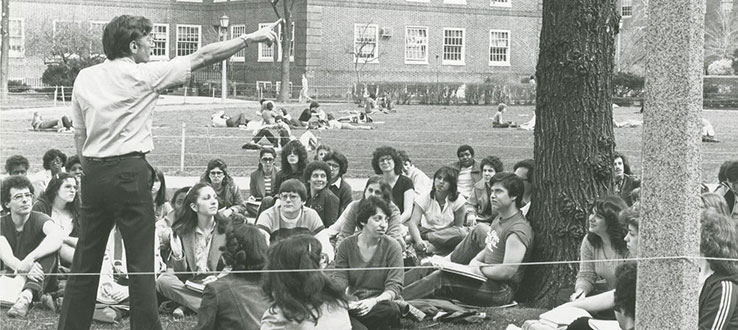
163	211
229	194
605	241
320	198
262	181
236	300
374	290
301	300
715	202
624	180
718	303
386	162
197	236
60	201
438	216
294	159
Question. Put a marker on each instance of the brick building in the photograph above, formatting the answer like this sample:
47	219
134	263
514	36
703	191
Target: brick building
386	40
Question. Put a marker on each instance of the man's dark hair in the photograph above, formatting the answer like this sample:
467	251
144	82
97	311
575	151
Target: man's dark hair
52	154
368	208
314	166
493	161
14	161
626	163
338	158
513	184
526	163
465	147
625	288
119	33
404	157
13	181
731	172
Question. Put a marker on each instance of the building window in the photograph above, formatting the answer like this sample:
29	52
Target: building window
188	39
16	39
500	3
160	51
726	6
416	45
366	42
418	0
236	31
266	53
626	8
455	2
96	30
453	46
499	48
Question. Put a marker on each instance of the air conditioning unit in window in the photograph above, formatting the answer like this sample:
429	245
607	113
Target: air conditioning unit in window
387	32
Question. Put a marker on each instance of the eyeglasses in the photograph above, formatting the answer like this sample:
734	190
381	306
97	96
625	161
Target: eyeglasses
267	159
287	196
21	197
215	173
385	159
56	161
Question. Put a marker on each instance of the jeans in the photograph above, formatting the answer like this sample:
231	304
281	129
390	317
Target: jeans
117	192
283	139
384	315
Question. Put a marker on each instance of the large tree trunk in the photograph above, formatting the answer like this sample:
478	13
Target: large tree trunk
573	136
284	91
4	57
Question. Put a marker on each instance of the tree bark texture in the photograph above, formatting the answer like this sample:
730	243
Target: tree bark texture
284	91
574	138
4	56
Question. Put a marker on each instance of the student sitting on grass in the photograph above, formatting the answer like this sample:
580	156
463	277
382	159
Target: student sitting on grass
497	121
60	201
718	302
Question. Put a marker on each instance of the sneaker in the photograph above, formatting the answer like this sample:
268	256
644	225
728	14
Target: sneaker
20	308
178	313
251	146
410	312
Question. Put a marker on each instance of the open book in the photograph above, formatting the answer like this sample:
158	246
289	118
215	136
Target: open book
452	267
199	281
10	289
561	317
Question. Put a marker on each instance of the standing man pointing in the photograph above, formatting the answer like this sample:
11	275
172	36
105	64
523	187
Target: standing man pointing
112	105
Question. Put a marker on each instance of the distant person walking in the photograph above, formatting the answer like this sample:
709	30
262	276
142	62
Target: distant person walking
112	106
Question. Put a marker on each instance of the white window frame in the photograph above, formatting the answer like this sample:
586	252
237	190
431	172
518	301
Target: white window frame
236	31
220	0
188	0
278	84
455	2
22	52
57	21
626	4
262	48
199	37
419	43
506	62
500	3
418	0
463	47
166	43
362	27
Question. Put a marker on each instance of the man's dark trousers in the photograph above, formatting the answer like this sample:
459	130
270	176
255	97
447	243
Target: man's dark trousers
117	191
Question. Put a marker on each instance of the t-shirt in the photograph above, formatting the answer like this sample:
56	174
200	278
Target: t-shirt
500	230
436	217
402	185
278	227
64	221
28	239
466	182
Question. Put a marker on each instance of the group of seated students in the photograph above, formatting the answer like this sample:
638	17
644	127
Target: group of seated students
354	252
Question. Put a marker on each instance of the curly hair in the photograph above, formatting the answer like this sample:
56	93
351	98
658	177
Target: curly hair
493	161
317	165
217	163
626	163
245	248
340	159
719	239
53	189
625	288
465	147
386	151
71	161
716	202
52	154
449	175
299	295
368	208
15	161
13	181
609	207
302	157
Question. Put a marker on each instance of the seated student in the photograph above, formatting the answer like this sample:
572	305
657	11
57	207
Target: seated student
386	162
195	247
308	113
486	250
163	211
718	302
73	166
228	193
624	180
624	299
289	216
289	120
220	119
301	300
319	197
373	290
261	181
604	241
321	150
715	202
338	186
708	132
53	162
497	121
477	206
347	225
469	173
63	123
335	124
29	241
728	188
438	216
421	182
60	201
270	129
524	170
17	165
236	301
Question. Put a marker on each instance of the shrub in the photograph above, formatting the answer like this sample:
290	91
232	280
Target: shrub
17	86
64	73
626	84
722	67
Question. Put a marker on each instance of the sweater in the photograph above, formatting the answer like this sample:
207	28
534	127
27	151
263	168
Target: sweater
370	283
590	272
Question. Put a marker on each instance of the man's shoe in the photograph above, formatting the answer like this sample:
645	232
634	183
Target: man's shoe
178	313
20	308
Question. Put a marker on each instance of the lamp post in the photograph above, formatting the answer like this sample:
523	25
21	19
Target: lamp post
223	33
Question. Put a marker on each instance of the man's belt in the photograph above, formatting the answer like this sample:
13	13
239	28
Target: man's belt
118	158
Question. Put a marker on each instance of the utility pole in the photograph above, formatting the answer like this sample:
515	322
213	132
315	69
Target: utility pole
4	52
